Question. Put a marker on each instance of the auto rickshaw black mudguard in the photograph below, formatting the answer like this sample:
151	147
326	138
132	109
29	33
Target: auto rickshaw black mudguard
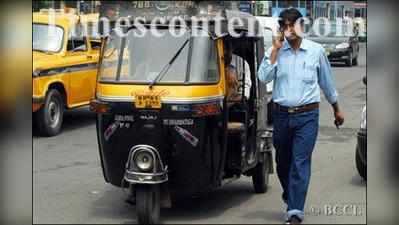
115	145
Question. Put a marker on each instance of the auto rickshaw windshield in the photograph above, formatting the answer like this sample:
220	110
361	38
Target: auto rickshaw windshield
139	57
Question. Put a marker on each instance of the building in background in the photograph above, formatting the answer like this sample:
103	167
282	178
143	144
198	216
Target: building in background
333	9
38	5
67	6
280	5
360	9
263	8
246	6
312	9
339	9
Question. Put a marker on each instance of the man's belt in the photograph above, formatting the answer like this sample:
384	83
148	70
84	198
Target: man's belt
298	109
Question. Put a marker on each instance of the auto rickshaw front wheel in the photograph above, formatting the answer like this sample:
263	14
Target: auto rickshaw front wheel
50	116
148	203
260	177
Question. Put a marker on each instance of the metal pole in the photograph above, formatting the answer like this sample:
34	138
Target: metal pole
314	9
78	7
254	8
335	9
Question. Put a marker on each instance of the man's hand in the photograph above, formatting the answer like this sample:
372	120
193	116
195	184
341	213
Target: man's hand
278	41
277	44
339	116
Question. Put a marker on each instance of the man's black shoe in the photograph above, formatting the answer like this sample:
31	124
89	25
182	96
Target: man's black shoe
293	220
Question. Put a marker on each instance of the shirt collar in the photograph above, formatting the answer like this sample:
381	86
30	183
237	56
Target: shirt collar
304	45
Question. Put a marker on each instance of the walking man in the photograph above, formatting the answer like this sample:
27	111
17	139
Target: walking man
299	68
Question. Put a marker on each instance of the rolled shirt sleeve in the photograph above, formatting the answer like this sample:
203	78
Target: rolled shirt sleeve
325	78
267	71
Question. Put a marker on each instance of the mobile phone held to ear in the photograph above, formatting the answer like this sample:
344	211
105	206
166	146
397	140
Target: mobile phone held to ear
280	33
281	36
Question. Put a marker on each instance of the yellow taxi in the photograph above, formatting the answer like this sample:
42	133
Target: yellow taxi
65	62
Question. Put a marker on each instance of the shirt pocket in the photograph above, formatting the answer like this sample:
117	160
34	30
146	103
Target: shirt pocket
280	73
282	70
309	74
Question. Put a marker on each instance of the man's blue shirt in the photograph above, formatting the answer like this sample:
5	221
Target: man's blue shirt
298	76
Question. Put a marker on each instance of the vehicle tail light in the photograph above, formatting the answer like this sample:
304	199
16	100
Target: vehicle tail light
99	107
209	109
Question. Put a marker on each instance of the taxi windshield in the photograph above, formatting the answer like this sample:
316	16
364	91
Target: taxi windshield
47	38
141	58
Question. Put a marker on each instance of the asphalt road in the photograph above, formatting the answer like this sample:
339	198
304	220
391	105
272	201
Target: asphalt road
68	185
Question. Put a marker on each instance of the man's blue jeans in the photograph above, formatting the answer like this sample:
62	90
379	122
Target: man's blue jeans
294	139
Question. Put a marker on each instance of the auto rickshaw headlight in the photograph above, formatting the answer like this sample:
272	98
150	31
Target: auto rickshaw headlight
144	161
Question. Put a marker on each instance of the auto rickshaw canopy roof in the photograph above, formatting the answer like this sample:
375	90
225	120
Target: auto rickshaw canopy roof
212	12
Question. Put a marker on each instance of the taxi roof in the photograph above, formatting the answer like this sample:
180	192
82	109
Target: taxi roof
63	19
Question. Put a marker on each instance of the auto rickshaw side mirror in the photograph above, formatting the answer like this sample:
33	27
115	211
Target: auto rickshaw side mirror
365	80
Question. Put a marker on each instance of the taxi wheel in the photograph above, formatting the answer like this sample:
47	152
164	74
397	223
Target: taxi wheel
260	178
148	203
50	116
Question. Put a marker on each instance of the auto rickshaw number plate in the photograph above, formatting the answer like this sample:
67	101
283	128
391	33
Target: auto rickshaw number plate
148	102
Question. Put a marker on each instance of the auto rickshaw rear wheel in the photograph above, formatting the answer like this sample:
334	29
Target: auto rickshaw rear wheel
148	203
260	177
50	116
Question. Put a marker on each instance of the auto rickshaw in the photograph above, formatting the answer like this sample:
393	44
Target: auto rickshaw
164	125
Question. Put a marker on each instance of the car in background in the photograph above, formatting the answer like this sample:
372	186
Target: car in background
361	146
340	45
64	67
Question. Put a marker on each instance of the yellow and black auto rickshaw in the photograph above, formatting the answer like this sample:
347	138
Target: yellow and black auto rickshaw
165	126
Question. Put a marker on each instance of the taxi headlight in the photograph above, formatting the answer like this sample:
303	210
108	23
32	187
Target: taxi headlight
343	45
144	161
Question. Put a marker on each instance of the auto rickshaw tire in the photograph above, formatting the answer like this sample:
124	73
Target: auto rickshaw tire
361	167
53	101
260	178
148	203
